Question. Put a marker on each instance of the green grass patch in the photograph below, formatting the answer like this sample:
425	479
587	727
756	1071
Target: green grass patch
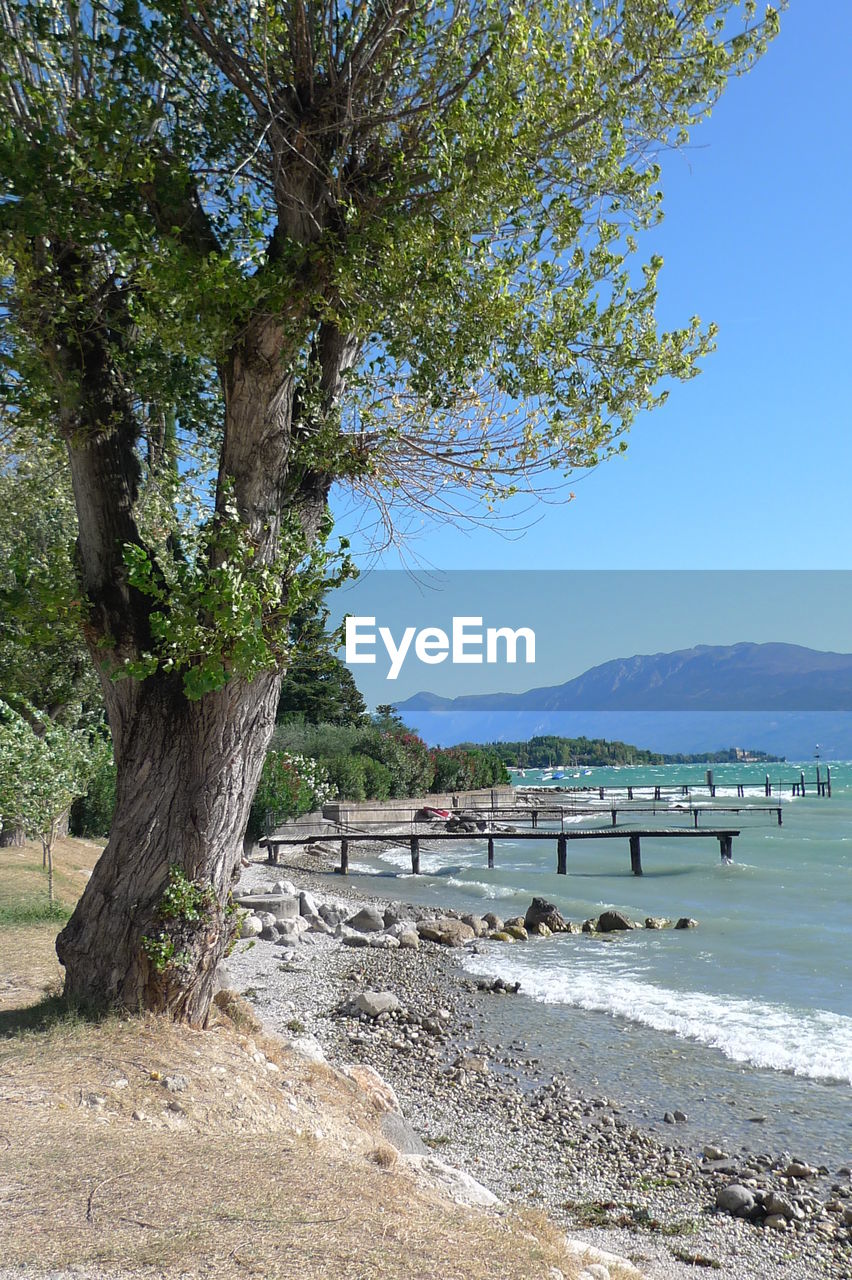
32	911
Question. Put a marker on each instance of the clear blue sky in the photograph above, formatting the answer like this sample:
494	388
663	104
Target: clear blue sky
749	465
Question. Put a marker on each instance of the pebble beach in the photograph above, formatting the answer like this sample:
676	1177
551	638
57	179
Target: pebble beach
487	1101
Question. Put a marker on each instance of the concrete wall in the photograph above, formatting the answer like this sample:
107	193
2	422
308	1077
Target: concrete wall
383	812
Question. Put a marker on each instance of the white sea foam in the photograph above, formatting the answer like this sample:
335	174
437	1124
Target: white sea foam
813	1043
481	889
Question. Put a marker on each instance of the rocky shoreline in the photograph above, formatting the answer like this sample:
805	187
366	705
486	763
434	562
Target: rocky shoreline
486	1104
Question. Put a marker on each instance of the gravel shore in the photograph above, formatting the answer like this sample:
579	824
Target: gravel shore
484	1103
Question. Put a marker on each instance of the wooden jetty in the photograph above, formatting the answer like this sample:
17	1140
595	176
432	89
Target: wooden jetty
724	835
796	787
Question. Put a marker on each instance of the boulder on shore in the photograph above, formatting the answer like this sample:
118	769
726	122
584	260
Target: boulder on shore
736	1200
367	920
613	921
374	1003
447	931
686	922
540	911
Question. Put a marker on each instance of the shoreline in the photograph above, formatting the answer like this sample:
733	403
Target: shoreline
484	1101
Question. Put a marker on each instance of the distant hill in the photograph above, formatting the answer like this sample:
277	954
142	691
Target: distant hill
739	677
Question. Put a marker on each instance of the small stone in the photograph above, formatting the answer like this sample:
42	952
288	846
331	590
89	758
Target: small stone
714	1153
669	1118
251	927
775	1222
516	931
409	940
269	933
796	1169
681	1117
500	935
355	940
656	922
175	1084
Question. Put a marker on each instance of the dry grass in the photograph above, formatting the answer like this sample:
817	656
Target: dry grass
262	1165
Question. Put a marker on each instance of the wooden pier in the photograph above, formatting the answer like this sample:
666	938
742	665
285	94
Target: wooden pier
796	787
634	836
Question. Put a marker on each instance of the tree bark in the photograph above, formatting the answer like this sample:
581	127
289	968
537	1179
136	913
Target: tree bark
187	773
11	836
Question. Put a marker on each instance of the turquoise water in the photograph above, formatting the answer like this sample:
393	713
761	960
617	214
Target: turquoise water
757	1000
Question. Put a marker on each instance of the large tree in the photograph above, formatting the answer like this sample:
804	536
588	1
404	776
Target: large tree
252	247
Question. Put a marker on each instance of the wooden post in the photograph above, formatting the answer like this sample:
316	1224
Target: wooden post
779	815
615	817
600	793
695	816
819	787
629	793
343	869
561	855
656	793
828	780
725	846
534	819
415	855
490	853
802	783
635	854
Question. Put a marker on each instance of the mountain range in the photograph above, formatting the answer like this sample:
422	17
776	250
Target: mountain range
738	677
780	698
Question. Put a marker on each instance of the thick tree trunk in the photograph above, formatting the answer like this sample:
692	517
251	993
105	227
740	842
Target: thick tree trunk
187	773
11	836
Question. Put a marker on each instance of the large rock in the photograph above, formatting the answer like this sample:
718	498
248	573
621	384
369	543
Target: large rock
459	1186
773	1203
493	921
736	1200
409	939
289	931
399	1133
686	922
251	927
540	911
374	1003
375	1086
449	932
477	924
284	889
613	921
308	904
367	920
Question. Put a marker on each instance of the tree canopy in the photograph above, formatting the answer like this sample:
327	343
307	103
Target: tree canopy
426	215
254	248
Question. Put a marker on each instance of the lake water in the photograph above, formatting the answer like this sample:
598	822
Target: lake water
744	1023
